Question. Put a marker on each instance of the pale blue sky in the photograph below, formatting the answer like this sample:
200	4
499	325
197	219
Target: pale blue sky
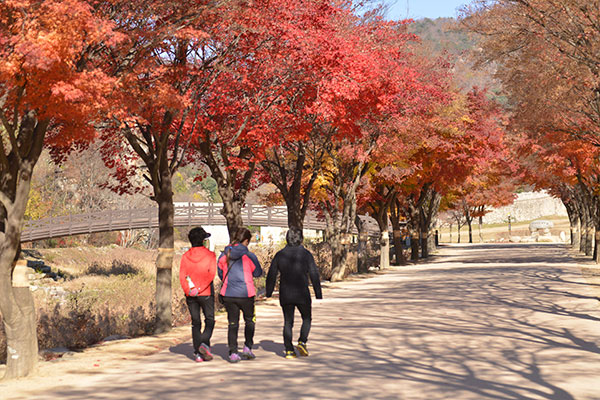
424	8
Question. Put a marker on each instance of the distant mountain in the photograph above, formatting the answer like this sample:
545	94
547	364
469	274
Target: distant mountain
442	34
443	37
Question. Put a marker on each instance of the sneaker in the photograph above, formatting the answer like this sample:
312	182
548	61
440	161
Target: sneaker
290	354
247	353
198	357
302	350
205	353
234	357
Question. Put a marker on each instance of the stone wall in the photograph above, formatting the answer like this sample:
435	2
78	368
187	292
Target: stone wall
526	207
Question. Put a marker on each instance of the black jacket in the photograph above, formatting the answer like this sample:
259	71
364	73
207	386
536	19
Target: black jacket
295	264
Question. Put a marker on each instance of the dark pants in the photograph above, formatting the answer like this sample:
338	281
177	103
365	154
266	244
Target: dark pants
288	323
207	304
233	305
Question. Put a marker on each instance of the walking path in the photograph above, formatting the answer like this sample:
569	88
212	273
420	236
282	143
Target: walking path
478	322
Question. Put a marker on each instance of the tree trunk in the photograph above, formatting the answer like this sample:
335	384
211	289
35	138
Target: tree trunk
576	234
384	256
339	256
582	242
429	202
424	244
470	224
232	183
16	303
16	306
480	223
589	239
164	261
573	222
290	179
336	245
20	325
232	211
458	232
414	244
450	232
432	241
361	252
596	245
398	246
295	215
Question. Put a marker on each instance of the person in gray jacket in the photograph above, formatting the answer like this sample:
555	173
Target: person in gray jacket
296	265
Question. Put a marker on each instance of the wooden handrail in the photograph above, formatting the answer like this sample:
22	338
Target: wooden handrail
185	215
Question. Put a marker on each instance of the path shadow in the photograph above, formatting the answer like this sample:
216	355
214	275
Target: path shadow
187	350
184	349
221	350
272	347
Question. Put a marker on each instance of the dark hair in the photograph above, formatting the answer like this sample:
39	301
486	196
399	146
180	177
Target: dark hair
240	235
294	237
197	236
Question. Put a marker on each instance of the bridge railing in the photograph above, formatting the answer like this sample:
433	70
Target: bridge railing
186	214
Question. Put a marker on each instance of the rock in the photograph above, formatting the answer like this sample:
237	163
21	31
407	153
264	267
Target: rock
35	264
112	338
540	224
32	253
55	353
515	239
546	239
563	236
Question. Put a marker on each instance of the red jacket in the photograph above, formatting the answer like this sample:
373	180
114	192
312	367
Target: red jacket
200	264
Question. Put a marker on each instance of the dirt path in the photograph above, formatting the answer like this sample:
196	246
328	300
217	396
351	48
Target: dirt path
479	322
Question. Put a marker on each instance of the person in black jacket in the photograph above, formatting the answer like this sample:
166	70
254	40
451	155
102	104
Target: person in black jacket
295	264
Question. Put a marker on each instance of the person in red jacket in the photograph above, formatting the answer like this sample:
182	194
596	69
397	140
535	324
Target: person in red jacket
196	274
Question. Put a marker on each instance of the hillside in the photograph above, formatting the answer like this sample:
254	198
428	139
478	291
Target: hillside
442	37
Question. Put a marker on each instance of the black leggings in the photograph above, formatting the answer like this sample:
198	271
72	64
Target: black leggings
233	305
288	323
207	304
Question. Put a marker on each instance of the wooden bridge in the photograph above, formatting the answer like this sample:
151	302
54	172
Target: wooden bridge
188	214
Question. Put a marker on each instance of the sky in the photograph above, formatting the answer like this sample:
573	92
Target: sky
424	8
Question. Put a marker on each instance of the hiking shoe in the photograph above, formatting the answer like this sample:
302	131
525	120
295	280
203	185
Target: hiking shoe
205	353
302	350
290	354
247	353
198	357
234	357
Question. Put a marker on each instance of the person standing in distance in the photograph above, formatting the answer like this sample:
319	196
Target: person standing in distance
295	264
237	266
196	274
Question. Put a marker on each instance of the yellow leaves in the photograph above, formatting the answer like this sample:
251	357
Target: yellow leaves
467	119
36	206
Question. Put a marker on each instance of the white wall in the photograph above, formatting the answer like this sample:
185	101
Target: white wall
527	206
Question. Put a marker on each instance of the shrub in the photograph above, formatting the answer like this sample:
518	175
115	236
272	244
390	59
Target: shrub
118	267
